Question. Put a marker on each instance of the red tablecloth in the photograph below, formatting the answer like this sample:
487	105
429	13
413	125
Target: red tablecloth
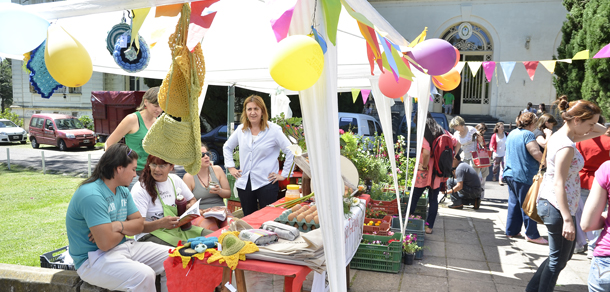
200	276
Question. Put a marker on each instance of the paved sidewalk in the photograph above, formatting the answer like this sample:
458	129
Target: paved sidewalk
469	251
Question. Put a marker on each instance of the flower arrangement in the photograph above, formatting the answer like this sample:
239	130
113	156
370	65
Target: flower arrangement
375	214
409	244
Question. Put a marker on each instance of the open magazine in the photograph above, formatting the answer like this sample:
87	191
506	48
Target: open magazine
190	214
218	212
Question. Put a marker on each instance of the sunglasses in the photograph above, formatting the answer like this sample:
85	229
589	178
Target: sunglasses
205	153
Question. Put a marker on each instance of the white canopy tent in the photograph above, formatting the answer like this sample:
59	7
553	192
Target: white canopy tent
237	51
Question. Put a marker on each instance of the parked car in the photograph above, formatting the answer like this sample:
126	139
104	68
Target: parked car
9	132
440	118
215	139
360	124
63	131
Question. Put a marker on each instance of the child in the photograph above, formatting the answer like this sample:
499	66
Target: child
498	145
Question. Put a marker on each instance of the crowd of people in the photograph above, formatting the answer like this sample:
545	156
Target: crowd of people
574	193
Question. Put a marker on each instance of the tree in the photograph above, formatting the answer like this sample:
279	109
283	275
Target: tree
587	27
6	84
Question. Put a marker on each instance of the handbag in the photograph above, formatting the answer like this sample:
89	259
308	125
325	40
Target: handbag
531	199
482	157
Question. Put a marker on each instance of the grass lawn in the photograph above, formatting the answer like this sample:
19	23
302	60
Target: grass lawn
33	208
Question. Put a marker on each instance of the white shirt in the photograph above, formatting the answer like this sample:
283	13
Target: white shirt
257	159
500	146
144	202
467	144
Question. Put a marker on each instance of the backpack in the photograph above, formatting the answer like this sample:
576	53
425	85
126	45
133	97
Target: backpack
442	151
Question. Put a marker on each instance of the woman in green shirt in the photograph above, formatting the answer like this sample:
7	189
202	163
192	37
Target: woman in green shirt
135	126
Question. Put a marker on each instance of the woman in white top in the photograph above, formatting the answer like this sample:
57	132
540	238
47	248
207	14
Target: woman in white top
498	146
467	135
560	190
155	197
259	144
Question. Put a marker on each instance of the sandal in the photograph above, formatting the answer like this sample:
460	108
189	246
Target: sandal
428	230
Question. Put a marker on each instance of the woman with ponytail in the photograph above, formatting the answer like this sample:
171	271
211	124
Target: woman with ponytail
560	190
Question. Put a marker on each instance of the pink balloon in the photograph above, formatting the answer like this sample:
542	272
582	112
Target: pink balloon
436	55
392	89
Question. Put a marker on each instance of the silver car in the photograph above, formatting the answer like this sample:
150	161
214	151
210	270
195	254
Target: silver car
9	132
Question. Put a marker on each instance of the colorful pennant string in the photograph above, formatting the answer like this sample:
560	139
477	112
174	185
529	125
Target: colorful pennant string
281	15
355	93
202	15
459	66
474	67
365	94
530	67
603	53
332	11
139	15
507	69
582	55
319	39
549	65
488	67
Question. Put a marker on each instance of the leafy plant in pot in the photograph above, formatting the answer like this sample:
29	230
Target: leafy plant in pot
409	248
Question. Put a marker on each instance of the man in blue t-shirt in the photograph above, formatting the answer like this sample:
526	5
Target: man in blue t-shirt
100	214
465	185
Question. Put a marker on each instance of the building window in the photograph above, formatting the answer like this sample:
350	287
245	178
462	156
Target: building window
134	83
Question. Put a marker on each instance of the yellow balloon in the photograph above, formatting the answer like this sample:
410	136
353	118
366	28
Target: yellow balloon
298	63
67	59
448	81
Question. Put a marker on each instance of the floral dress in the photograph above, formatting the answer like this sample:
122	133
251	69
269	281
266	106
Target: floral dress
572	185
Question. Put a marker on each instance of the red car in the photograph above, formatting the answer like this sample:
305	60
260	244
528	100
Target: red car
63	131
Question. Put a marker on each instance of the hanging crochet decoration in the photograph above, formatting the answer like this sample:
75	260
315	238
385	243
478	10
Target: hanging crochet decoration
41	80
233	249
128	57
176	137
113	35
187	252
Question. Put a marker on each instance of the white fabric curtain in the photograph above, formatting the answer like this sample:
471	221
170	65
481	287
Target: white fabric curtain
384	105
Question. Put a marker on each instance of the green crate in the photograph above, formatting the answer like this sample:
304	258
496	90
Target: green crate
379	257
414	226
232	180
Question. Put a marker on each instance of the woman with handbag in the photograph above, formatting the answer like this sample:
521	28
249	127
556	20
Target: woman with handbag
560	189
522	159
156	198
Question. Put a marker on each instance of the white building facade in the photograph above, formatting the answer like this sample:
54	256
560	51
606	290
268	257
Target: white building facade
488	30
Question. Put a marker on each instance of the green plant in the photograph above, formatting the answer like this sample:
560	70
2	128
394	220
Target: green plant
370	162
375	214
9	115
409	244
86	121
293	129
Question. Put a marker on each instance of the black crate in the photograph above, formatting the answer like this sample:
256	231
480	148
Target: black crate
47	260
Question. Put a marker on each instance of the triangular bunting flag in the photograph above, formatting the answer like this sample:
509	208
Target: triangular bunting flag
332	11
460	66
139	15
365	94
355	93
155	36
371	56
202	15
474	67
549	65
565	61
319	39
281	16
582	55
507	69
388	54
168	10
357	16
488	67
603	53
420	38
530	67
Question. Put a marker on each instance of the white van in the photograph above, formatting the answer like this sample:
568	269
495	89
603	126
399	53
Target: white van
360	124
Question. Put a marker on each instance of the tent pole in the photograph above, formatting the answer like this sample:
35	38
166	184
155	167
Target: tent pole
319	105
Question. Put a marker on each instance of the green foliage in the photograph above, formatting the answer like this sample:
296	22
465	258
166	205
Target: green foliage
292	128
35	213
6	85
86	121
9	115
587	27
369	161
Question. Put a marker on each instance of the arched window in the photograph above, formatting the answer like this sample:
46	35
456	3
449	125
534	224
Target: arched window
474	44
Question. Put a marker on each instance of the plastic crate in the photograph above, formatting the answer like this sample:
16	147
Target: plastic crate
414	226
382	258
233	206
48	260
381	229
390	207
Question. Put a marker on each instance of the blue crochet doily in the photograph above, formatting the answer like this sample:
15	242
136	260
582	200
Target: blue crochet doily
114	34
127	57
40	78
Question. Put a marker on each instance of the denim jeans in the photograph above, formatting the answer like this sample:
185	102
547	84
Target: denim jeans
465	196
432	201
560	250
599	274
516	217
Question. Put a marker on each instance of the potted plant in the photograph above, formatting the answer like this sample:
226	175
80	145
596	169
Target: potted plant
409	248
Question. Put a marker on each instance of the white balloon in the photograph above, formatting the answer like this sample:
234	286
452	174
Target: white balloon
22	31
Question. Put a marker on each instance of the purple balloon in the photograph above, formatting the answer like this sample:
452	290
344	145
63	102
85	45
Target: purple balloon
436	55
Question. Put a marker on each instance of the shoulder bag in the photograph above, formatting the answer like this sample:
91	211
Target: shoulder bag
531	199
